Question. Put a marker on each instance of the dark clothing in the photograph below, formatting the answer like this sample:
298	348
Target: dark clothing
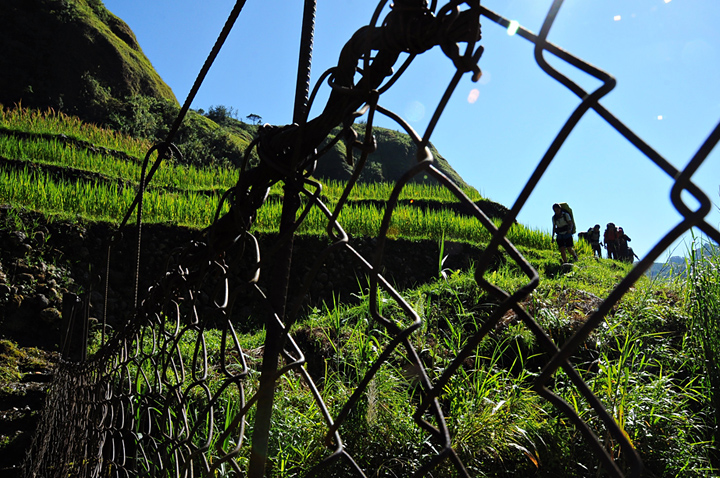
623	251
612	250
565	240
593	237
610	238
622	242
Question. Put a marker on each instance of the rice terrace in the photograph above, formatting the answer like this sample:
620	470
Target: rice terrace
186	294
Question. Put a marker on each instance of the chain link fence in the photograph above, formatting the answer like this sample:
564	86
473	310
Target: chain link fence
176	393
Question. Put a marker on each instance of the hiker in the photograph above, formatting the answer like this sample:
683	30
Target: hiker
563	226
610	237
623	251
593	237
582	236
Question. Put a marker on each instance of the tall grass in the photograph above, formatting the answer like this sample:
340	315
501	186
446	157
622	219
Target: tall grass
106	202
56	153
381	191
703	289
407	222
638	363
54	122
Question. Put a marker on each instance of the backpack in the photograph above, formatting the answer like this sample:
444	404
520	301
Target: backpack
610	235
565	207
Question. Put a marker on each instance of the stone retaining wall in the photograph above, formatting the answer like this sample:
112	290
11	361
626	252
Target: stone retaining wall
40	261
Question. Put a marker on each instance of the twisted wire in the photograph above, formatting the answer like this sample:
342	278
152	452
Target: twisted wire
159	400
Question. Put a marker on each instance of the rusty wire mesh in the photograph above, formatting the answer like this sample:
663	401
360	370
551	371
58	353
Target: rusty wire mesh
139	408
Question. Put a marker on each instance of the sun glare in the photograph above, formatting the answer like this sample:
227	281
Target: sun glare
513	27
617	18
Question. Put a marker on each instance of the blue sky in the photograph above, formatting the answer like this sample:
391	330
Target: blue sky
664	54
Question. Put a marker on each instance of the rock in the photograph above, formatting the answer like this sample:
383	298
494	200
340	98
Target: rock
50	315
22	267
41	302
17	238
37	377
16	300
52	294
316	288
24	278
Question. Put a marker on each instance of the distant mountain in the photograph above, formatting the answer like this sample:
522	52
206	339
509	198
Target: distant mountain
677	265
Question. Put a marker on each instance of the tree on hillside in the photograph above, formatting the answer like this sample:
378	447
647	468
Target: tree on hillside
254	119
221	114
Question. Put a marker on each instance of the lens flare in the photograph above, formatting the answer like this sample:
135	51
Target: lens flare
473	96
414	111
513	27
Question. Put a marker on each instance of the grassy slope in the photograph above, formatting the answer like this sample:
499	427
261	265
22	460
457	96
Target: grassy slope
641	362
106	171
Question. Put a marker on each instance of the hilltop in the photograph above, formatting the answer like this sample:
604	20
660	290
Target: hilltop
73	56
76	57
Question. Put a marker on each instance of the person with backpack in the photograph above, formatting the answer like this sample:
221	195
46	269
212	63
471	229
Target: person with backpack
563	227
610	238
623	251
593	237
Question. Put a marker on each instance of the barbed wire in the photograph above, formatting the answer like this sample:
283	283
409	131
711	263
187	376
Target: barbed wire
158	400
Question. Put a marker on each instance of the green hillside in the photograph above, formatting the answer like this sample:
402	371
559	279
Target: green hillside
73	56
395	154
58	164
80	179
78	58
79	110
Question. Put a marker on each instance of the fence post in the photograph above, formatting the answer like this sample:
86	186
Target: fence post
280	276
274	339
